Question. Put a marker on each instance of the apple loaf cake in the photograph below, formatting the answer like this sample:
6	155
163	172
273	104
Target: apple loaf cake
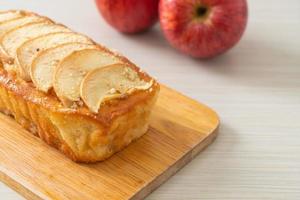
78	96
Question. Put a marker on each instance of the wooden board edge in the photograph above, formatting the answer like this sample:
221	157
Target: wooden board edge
179	164
145	191
22	188
18	187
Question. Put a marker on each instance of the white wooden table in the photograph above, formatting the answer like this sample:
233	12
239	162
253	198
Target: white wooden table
255	88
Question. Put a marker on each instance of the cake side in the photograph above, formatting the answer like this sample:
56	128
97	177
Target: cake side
82	136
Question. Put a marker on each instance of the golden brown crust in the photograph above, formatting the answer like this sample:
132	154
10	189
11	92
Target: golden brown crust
45	117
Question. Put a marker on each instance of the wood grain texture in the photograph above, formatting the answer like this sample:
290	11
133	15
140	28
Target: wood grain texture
179	129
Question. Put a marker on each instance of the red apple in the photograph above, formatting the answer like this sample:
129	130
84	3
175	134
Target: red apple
129	16
203	28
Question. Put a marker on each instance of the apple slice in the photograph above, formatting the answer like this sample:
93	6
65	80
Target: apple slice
43	66
71	70
110	82
28	50
16	37
8	15
13	23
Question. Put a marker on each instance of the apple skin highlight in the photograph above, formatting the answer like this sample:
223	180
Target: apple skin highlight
129	16
203	28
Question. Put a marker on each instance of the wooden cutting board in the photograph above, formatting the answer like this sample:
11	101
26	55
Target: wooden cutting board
180	128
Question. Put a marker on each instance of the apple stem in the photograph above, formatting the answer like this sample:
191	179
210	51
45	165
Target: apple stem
201	11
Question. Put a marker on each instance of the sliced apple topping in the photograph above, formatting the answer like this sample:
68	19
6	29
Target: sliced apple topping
43	66
13	39
8	15
13	23
71	70
110	82
31	48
